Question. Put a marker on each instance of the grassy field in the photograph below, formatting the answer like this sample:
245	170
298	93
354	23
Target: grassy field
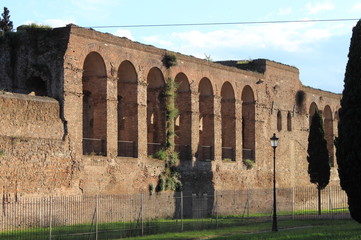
290	229
230	227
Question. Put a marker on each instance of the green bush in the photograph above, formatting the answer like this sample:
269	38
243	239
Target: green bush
161	155
248	163
169	60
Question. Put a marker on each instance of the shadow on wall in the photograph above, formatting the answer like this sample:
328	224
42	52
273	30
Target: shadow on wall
197	198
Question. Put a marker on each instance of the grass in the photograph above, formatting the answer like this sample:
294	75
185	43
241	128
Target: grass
171	229
291	229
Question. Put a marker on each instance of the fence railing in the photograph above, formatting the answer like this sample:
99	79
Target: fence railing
206	153
154	148
184	151
117	216
93	146
248	153
228	153
127	149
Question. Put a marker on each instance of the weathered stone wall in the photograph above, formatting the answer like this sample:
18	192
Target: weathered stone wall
34	158
261	100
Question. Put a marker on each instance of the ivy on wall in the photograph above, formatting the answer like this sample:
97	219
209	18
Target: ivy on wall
169	179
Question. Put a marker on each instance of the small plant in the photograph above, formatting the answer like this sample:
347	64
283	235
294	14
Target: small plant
227	159
34	26
248	163
169	60
2	153
161	155
208	57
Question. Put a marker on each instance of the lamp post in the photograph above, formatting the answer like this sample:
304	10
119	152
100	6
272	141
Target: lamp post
274	143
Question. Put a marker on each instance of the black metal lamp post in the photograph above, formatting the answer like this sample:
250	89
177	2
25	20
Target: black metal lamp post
274	143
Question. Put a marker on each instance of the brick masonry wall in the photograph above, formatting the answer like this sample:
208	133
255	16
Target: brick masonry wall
110	174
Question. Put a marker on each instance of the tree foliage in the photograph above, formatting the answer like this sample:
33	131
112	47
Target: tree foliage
318	159
5	24
348	143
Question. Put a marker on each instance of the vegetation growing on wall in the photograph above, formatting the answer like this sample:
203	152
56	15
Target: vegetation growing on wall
248	163
169	179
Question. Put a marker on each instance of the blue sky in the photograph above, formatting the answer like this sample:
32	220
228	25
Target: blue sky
319	49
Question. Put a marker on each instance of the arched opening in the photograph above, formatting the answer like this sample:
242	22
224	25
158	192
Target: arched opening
279	121
183	121
228	122
206	115
127	110
289	122
328	124
156	111
248	123
312	111
94	105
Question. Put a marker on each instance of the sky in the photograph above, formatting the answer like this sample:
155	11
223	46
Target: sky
318	49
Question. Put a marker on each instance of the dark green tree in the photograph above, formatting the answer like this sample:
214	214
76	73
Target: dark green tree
5	24
348	142
318	159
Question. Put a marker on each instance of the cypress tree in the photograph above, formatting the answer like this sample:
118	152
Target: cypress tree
318	159
5	24
348	143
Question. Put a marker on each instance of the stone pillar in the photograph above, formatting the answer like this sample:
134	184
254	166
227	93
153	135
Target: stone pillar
238	130
72	107
217	129
194	126
142	119
112	117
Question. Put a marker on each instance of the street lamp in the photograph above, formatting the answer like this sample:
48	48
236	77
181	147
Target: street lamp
274	143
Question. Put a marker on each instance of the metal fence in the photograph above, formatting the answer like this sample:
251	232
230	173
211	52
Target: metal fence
93	146
120	216
127	149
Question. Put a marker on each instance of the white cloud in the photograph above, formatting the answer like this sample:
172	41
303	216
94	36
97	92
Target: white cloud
291	37
124	33
58	22
285	11
52	22
357	7
157	41
318	7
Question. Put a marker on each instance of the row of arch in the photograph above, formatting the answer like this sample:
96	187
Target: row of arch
94	81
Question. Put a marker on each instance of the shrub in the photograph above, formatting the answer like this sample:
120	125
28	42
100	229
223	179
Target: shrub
161	155
169	60
248	163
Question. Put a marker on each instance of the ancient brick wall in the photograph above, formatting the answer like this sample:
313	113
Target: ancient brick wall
112	112
34	158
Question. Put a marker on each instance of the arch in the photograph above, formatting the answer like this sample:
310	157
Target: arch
289	122
312	111
155	105
328	125
205	87
206	113
279	121
228	116
94	82
183	129
127	110
248	123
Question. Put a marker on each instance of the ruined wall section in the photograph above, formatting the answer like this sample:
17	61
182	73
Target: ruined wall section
33	61
33	157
